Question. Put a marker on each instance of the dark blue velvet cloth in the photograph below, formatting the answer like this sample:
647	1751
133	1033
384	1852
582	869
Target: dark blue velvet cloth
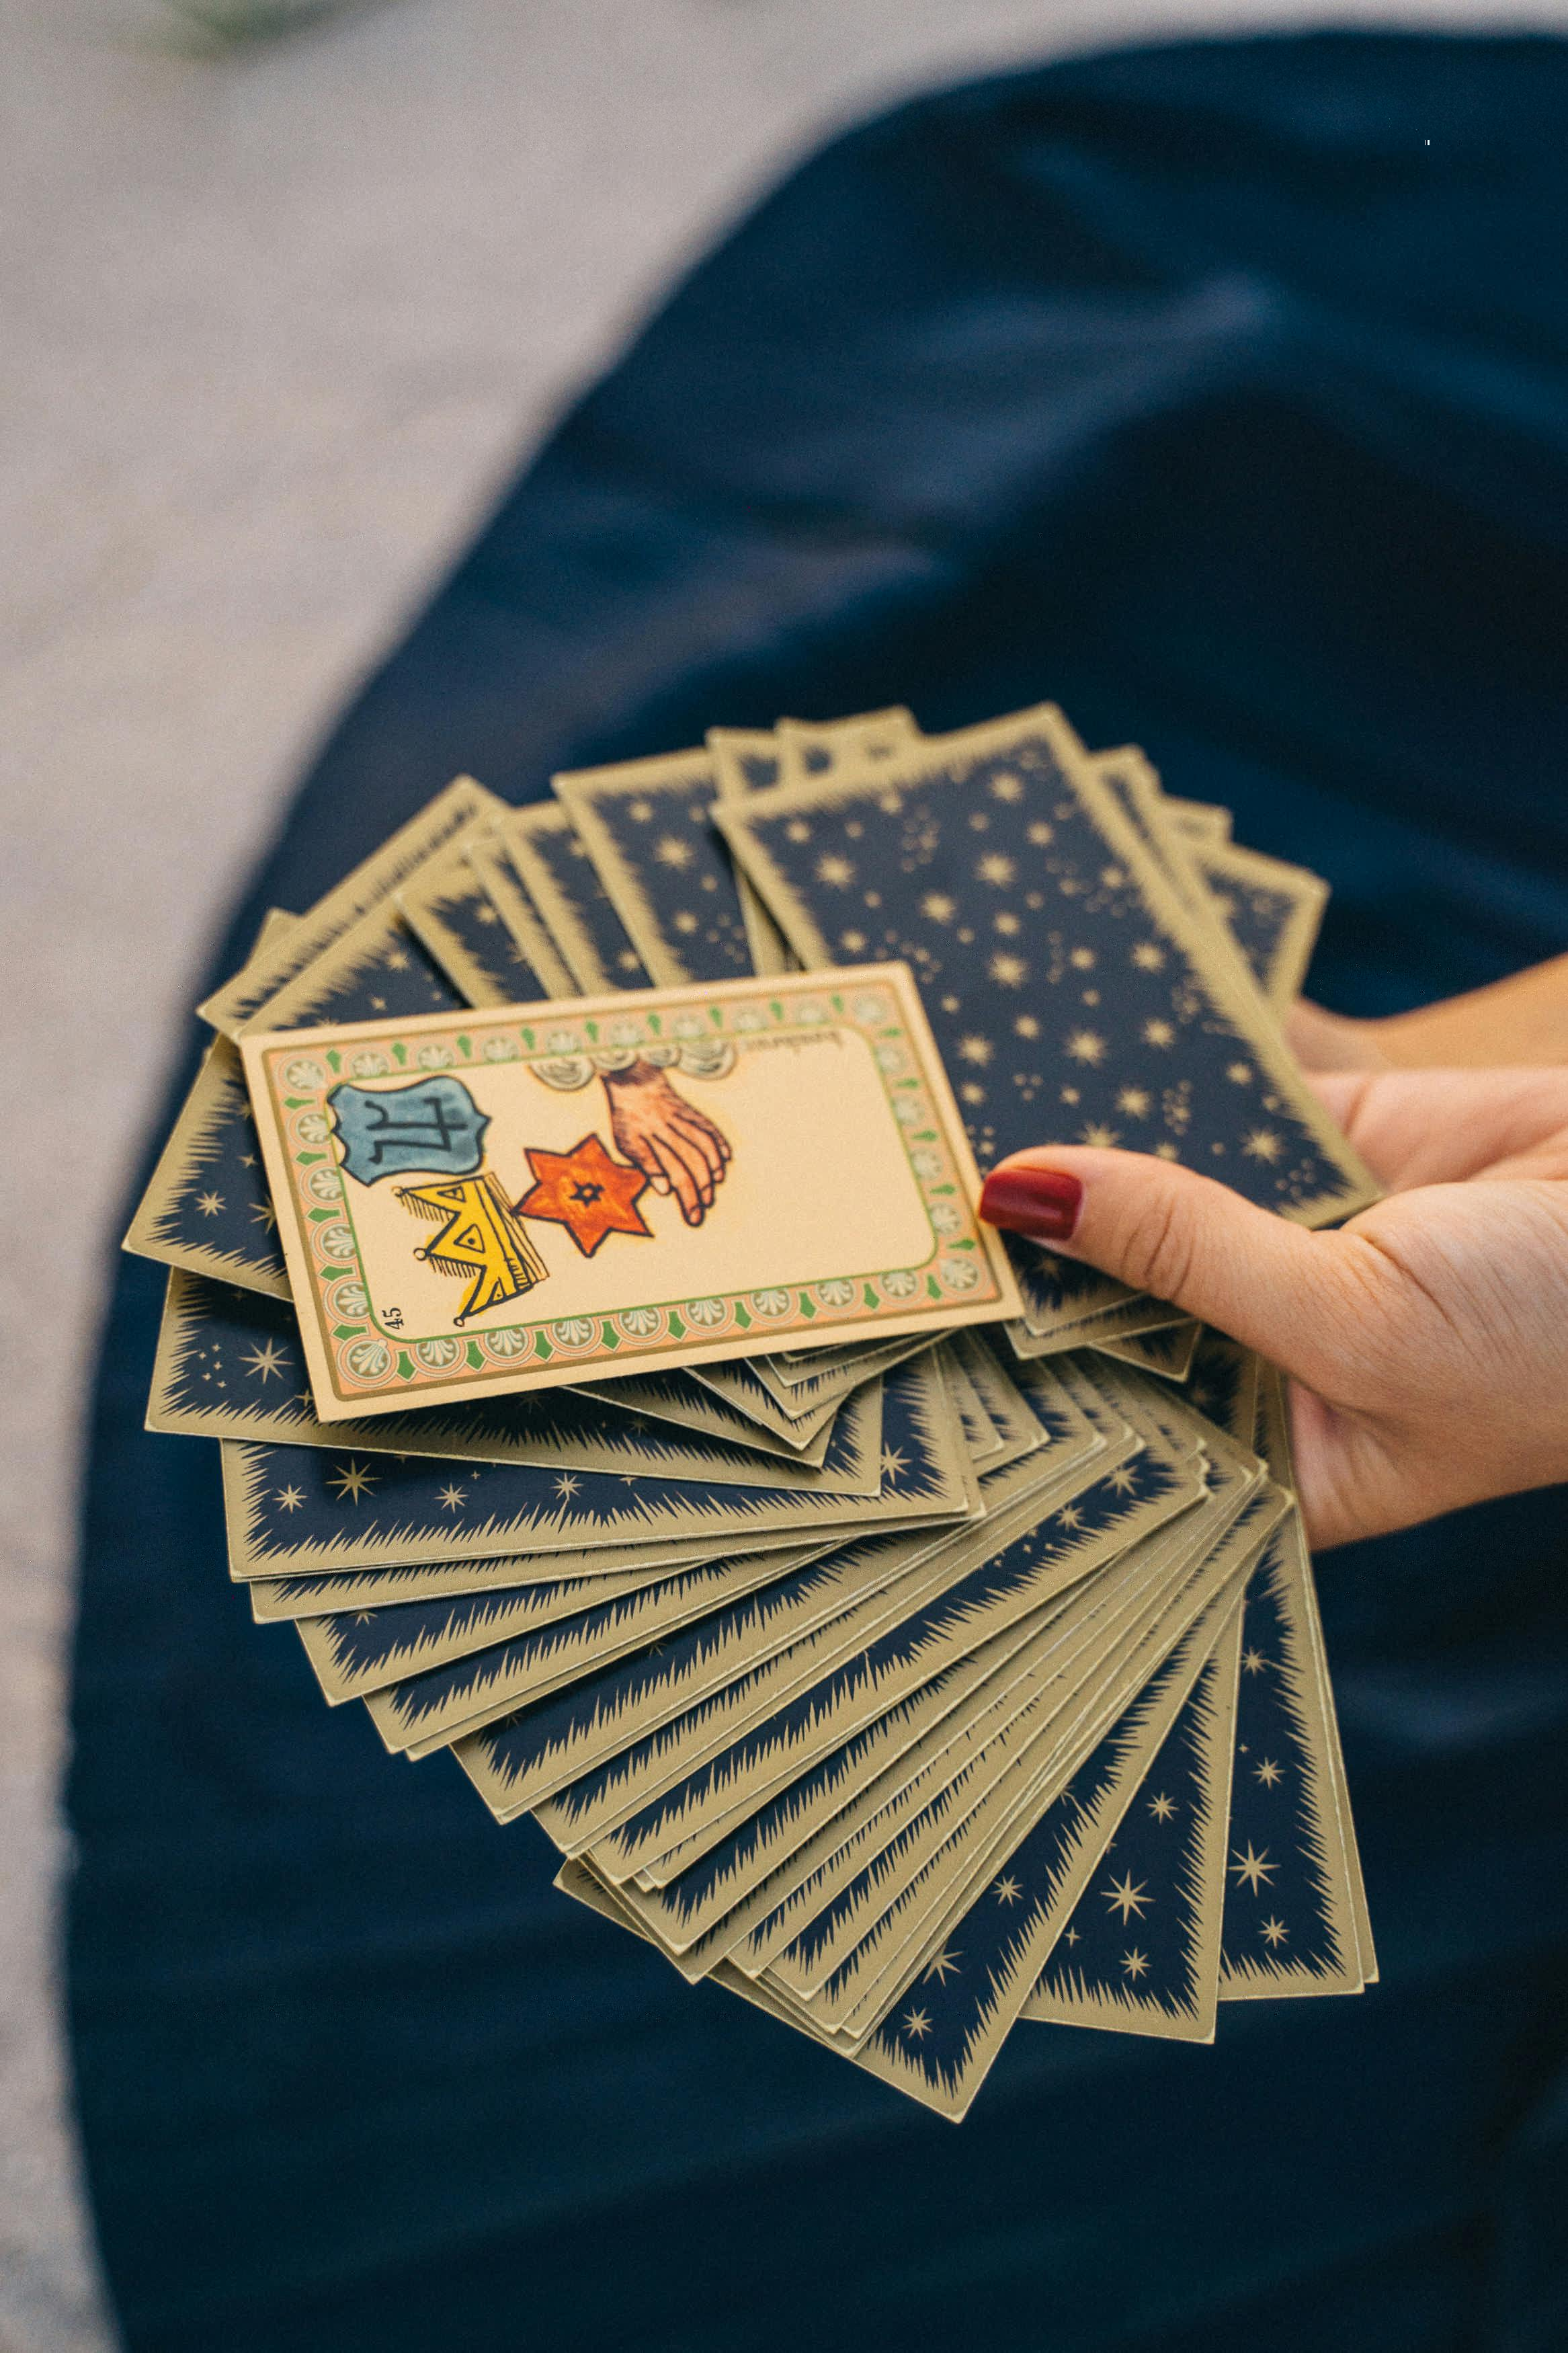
1218	391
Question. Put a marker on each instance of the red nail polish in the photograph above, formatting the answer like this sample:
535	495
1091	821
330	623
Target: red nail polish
1043	1203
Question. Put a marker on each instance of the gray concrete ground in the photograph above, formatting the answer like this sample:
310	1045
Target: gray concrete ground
275	321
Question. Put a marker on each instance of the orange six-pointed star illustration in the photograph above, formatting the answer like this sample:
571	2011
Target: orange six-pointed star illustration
586	1191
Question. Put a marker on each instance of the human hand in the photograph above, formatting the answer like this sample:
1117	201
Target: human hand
676	1146
1427	1339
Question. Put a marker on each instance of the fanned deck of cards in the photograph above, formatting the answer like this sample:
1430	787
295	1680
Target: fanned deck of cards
575	1251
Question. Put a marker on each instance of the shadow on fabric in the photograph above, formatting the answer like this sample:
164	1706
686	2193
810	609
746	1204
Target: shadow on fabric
1220	392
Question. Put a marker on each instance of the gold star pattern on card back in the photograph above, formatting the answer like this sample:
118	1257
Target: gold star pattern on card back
587	1191
1006	1889
1268	1773
917	2024
1252	1870
353	1481
943	1964
264	1359
1161	1807
289	1498
1136	1964
1253	1662
1128	1898
1274	1933
209	1204
454	1497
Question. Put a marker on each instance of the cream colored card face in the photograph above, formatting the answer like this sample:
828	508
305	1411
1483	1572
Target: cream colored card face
468	1202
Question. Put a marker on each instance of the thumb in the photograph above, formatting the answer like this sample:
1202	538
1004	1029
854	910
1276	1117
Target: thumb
1165	1230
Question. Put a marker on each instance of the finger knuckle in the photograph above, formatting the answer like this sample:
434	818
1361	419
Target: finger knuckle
1161	1248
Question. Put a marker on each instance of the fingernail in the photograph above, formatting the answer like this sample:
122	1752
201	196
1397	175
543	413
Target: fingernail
1043	1203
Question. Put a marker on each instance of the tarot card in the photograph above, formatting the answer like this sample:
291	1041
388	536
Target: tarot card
1199	820
684	1399
1261	914
306	1510
437	827
450	908
572	902
493	862
1168	1352
445	1195
1272	910
1295	1911
809	747
742	1388
746	760
1066	979
230	1365
645	825
1139	1954
208	1208
422	1664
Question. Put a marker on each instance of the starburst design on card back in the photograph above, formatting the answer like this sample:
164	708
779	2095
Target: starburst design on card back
264	1359
353	1481
1128	1898
1253	1870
